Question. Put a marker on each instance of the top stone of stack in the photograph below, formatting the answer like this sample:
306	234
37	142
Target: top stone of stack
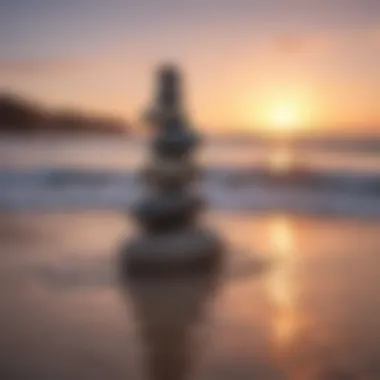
174	139
168	96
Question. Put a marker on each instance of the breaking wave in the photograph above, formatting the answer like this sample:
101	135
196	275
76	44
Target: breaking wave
238	189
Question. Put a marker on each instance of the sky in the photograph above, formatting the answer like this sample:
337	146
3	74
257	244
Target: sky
248	65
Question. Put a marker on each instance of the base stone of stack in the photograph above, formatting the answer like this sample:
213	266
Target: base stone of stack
175	252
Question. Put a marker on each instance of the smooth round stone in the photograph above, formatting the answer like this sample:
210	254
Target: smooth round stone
175	141
172	253
156	116
166	173
165	211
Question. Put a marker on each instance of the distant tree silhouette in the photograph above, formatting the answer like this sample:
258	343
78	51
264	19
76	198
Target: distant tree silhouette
20	115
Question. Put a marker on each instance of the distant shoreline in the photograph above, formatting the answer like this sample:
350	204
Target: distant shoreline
22	116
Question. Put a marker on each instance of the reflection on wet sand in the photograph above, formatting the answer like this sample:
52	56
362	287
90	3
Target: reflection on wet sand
311	315
167	312
295	346
280	282
280	287
322	318
283	290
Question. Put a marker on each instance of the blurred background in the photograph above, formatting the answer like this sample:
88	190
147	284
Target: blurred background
286	94
279	85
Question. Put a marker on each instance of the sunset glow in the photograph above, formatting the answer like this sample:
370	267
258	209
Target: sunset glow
278	65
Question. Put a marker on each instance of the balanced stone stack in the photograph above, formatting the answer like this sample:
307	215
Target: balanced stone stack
170	237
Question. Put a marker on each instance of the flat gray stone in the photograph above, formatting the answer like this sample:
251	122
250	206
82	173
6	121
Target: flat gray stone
172	252
166	173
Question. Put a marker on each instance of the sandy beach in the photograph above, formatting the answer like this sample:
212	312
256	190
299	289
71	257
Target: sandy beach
296	298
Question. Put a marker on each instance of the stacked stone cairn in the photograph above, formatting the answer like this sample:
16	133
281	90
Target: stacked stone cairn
171	239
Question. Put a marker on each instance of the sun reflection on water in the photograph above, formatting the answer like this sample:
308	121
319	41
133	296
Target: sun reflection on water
281	159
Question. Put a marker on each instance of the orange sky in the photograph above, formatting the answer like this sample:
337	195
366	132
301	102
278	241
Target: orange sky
269	65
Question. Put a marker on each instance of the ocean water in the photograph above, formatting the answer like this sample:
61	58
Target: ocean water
82	172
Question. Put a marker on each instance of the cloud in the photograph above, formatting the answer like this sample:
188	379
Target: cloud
328	41
301	44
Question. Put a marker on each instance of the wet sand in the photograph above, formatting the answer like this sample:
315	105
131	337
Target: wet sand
297	298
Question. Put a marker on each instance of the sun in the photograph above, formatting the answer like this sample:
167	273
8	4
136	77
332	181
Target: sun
284	117
280	117
282	113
